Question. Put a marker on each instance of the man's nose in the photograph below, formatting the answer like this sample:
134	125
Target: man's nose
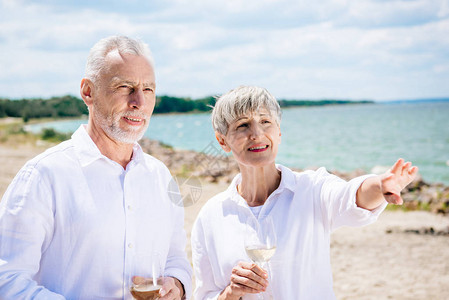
137	99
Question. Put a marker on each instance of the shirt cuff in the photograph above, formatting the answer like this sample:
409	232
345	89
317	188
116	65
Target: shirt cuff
184	278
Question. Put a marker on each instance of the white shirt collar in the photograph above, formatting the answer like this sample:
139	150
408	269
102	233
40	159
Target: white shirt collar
288	178
88	152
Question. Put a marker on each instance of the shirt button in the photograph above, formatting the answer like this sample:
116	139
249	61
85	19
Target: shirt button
130	245
130	207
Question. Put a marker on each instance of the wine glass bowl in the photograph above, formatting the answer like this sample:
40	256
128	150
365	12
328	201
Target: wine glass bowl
145	289
146	276
260	239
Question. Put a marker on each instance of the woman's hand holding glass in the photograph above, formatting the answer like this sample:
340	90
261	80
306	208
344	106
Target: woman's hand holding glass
260	246
245	278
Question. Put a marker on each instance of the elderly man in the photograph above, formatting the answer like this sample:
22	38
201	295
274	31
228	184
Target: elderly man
75	217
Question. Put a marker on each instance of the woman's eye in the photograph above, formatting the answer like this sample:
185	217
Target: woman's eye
242	125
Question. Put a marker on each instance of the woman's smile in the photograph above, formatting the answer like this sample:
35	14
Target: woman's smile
258	148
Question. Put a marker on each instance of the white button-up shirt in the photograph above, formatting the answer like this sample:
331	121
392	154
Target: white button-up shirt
305	209
72	219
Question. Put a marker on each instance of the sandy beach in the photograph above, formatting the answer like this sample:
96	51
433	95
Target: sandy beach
391	259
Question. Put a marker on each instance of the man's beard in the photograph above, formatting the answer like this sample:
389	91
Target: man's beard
111	125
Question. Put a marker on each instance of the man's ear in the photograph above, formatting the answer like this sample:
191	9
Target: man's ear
86	91
221	140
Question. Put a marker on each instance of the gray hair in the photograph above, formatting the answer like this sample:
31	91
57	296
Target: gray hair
241	101
122	44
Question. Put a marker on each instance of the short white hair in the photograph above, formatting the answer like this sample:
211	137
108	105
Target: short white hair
241	101
122	44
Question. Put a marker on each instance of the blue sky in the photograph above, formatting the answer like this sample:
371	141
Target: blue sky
339	49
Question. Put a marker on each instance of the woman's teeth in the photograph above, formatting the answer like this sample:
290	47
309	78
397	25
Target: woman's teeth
258	148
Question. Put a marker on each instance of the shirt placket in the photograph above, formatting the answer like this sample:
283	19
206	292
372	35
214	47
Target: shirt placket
129	206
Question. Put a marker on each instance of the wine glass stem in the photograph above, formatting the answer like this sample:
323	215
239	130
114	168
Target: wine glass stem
268	293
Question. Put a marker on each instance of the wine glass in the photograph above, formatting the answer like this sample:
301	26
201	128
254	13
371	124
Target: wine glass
260	241
146	276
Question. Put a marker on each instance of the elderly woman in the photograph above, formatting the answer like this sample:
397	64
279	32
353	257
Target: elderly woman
305	208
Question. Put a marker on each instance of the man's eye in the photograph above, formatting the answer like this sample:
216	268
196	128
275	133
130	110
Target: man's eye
126	88
148	90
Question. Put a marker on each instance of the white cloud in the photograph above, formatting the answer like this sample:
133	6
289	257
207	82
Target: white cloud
297	49
368	13
444	9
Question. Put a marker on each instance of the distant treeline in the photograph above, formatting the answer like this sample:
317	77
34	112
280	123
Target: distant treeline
70	106
288	103
66	106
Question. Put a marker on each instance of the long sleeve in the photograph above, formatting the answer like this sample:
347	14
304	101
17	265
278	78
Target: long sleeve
205	287
26	228
338	201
